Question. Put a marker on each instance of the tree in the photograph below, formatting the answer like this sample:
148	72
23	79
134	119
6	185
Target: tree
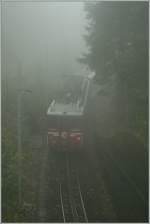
117	37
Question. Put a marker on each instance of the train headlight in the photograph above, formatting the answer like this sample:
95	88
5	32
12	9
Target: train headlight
76	137
64	135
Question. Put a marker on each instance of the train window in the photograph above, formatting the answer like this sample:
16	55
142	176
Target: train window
65	122
72	122
53	122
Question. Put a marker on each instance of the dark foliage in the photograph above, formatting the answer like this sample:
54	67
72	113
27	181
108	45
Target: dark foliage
117	37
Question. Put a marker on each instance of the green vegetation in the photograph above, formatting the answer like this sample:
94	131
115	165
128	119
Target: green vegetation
117	37
33	108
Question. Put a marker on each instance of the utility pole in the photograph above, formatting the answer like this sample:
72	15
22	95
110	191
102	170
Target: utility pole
19	145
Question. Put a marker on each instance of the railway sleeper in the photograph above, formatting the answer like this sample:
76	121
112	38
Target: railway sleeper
67	206
76	196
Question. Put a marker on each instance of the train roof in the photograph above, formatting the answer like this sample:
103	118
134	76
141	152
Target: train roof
74	107
70	109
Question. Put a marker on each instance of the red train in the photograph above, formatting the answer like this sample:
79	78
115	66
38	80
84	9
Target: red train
66	115
65	132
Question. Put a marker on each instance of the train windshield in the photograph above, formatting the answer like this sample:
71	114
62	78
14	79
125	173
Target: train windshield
72	122
65	122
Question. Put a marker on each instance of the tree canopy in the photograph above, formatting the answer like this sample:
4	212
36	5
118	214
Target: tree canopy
117	39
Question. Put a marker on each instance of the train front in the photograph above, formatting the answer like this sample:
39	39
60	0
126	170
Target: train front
65	132
65	115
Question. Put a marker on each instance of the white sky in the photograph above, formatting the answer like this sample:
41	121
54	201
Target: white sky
45	34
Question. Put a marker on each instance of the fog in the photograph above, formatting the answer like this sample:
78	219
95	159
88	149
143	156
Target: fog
74	148
45	34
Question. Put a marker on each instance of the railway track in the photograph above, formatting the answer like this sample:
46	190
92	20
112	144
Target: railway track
71	201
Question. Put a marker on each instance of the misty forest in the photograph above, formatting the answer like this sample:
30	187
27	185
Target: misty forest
75	111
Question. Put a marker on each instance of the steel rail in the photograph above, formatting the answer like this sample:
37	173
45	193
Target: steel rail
69	188
81	198
78	192
61	201
73	208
